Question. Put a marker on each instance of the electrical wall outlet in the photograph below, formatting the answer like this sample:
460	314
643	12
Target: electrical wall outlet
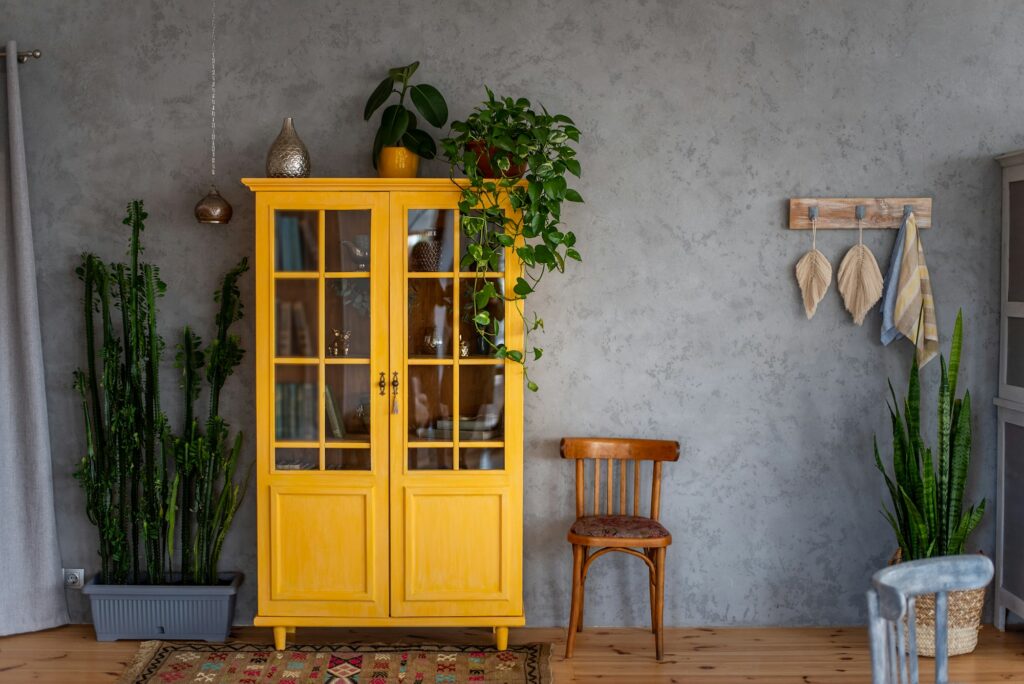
74	578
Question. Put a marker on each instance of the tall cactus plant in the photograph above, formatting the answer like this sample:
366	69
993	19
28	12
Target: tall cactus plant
927	497
123	479
136	474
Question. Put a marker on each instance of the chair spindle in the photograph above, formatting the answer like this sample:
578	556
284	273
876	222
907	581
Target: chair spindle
636	487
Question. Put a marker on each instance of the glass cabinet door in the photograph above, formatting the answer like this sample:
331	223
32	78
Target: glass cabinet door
326	331
454	398
330	328
452	481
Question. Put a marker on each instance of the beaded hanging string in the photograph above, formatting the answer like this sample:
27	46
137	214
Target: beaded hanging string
213	89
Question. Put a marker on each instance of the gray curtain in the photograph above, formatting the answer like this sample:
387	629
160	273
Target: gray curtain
31	582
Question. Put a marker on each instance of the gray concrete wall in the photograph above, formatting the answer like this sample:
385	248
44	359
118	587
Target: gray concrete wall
700	119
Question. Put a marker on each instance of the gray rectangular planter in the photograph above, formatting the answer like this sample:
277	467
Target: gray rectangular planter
163	611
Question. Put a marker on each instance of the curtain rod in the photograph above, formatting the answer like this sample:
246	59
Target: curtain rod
24	56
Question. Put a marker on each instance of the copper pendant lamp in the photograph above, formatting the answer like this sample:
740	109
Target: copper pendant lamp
213	208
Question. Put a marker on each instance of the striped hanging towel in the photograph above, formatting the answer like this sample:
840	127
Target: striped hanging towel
908	309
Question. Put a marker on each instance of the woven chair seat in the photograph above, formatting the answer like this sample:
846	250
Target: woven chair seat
618	526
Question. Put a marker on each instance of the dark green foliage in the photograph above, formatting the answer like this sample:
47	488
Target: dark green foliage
132	494
927	507
398	125
532	154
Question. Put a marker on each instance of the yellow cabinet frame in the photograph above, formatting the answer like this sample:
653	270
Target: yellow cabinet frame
388	545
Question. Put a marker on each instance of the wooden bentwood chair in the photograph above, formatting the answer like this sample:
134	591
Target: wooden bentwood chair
594	535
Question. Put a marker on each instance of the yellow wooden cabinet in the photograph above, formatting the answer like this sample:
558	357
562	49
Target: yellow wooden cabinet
389	445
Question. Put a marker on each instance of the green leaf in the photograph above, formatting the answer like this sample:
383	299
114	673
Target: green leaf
482	318
378	144
573	196
543	255
959	463
573	166
522	288
430	103
533	191
532	386
378	97
404	73
393	124
573	254
419	142
537	353
955	347
555	187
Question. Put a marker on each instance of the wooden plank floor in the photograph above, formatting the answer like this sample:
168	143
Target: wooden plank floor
70	655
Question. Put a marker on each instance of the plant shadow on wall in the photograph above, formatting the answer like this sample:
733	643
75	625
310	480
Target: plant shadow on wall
145	486
516	161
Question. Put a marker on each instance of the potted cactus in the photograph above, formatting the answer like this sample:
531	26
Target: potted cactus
149	491
926	490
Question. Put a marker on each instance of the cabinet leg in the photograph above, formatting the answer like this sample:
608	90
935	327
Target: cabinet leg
501	638
999	616
279	637
289	630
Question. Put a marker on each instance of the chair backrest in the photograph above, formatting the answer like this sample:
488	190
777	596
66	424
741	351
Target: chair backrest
891	600
604	452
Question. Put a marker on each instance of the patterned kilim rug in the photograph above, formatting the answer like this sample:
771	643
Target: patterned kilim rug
163	662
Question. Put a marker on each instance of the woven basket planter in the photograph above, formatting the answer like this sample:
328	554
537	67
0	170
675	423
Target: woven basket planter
963	620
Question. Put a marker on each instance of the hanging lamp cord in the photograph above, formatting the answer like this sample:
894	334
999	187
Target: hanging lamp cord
213	88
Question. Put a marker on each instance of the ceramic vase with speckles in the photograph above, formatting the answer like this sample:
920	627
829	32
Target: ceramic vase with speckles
288	156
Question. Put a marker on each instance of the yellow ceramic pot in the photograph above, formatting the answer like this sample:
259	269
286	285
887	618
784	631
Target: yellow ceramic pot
397	162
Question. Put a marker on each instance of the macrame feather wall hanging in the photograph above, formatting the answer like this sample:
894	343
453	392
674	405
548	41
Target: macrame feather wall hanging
813	271
860	280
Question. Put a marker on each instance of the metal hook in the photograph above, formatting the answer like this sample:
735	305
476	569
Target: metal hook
812	213
861	211
908	209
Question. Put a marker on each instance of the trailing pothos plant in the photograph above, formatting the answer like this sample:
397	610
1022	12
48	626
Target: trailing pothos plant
398	125
146	487
927	491
516	163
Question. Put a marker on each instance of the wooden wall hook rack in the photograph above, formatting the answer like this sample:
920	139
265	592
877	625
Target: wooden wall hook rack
839	213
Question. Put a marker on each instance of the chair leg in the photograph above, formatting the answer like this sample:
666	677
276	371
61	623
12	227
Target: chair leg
650	581
659	630
577	598
583	590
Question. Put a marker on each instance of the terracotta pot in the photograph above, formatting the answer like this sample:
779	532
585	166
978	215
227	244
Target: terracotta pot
398	162
485	155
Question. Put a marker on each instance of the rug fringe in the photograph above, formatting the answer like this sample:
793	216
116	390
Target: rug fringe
147	649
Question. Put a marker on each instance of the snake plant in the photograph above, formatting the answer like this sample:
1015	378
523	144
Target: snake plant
136	474
926	490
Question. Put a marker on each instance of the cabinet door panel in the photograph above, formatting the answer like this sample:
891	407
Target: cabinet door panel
325	551
453	553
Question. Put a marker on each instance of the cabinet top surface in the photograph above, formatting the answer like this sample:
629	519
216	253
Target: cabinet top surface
322	184
1014	158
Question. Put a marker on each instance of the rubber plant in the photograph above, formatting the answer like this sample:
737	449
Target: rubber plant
145	487
398	125
516	162
927	490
